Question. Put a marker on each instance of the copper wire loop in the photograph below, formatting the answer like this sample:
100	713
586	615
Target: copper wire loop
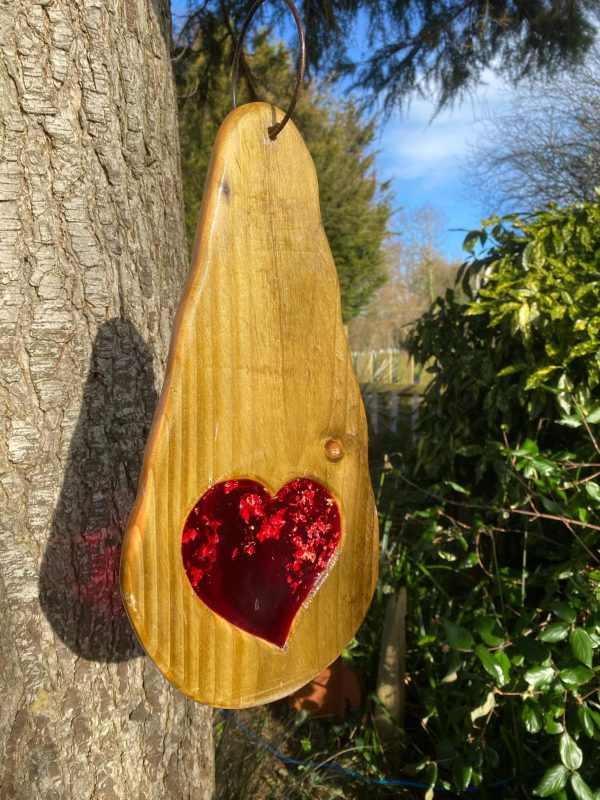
274	130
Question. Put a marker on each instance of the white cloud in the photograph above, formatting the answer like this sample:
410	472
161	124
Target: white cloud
420	145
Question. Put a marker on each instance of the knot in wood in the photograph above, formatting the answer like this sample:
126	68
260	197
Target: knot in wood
334	450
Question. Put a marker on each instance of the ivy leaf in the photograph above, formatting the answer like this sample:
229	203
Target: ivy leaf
564	611
586	721
461	773
488	662
594	416
570	753
532	716
570	422
555	632
458	637
575	676
580	788
593	490
528	448
494	666
595	716
483	710
552	781
532	649
539	676
489	630
457	487
552	726
454	665
504	663
582	646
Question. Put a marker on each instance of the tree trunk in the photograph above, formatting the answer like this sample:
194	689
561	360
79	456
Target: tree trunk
92	261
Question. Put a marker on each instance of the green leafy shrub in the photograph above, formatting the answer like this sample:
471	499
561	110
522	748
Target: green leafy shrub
497	520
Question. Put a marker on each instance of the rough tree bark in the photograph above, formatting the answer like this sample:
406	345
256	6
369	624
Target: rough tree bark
92	260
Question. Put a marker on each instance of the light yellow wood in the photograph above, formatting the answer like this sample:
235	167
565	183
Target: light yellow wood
259	379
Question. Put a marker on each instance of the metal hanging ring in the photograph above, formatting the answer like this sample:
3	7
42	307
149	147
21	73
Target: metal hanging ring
274	130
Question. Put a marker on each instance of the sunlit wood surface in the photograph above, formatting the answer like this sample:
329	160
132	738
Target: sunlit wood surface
259	379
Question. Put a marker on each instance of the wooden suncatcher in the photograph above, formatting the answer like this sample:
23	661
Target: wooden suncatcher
259	387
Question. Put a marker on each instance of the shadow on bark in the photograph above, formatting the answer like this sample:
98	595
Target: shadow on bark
79	579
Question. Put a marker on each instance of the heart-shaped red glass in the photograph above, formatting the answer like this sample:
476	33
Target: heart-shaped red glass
254	559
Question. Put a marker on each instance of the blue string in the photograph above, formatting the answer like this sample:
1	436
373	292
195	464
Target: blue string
350	772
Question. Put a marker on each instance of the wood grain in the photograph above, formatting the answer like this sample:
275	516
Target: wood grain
259	379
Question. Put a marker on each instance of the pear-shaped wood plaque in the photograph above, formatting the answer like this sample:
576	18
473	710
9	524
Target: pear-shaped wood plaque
250	556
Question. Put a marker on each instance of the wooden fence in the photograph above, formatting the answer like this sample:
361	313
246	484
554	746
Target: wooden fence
392	389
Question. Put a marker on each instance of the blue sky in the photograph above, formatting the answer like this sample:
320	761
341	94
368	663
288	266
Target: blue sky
423	154
424	157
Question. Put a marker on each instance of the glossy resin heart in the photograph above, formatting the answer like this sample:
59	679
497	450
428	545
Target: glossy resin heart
253	558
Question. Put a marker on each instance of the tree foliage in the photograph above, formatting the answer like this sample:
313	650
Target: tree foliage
444	46
355	205
498	516
521	355
546	147
437	46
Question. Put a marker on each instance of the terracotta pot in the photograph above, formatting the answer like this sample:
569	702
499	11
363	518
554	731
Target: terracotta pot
336	691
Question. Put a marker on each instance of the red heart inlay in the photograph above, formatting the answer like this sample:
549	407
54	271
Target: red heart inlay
253	558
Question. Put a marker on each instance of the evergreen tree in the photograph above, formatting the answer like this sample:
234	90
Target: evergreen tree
355	205
440	47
